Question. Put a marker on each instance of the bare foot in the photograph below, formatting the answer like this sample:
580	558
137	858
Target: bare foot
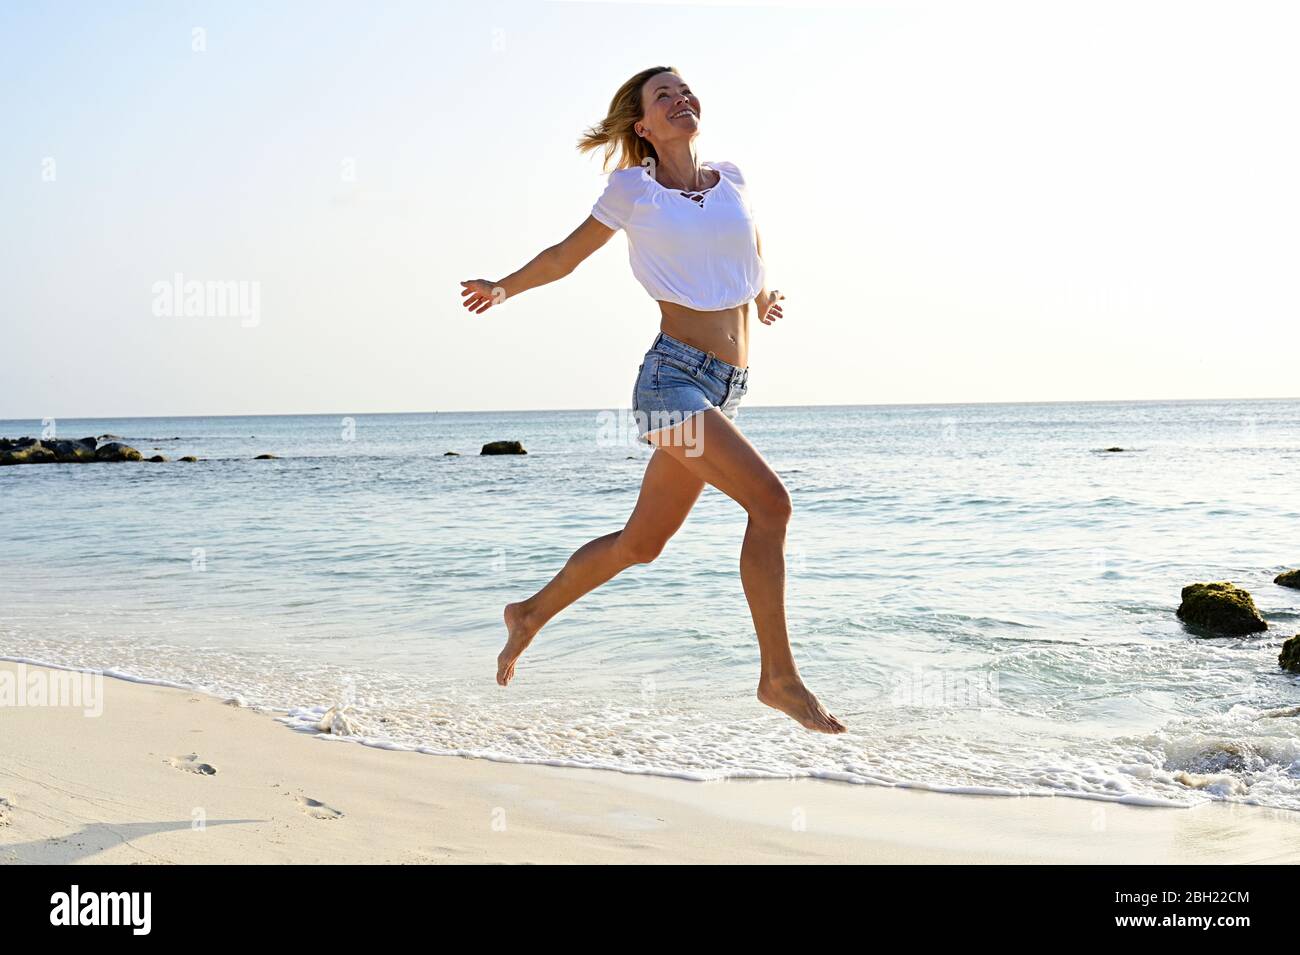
795	700
520	635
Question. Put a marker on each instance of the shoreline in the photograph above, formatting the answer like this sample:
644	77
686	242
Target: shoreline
131	785
304	720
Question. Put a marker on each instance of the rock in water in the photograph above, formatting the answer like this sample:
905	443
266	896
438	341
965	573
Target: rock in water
60	451
83	450
1221	608
1289	658
1290	578
190	458
25	454
34	451
265	457
338	722
503	447
116	451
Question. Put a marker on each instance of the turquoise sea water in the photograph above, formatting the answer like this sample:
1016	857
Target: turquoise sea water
981	592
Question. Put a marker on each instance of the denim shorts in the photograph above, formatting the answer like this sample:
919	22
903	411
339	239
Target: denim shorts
677	381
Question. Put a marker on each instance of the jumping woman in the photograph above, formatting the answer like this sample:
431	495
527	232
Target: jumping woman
694	246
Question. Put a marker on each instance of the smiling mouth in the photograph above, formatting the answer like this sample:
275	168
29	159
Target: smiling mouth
683	112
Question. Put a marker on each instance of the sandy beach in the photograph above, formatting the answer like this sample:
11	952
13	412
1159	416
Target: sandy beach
131	785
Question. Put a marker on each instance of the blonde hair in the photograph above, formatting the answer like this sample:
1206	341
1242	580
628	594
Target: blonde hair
616	132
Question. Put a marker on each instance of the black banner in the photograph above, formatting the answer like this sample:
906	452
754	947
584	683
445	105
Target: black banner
304	904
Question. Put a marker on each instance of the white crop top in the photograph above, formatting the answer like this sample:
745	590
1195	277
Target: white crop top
701	254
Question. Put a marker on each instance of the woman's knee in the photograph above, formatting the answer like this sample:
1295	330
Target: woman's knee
772	506
639	549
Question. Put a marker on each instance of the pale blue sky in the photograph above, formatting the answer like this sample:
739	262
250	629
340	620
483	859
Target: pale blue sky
962	201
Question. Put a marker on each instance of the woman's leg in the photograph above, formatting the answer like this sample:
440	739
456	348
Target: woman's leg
720	455
668	492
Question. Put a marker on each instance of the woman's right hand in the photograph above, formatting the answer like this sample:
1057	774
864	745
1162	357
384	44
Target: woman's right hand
480	295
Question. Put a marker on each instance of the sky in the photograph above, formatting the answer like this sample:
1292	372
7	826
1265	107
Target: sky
962	202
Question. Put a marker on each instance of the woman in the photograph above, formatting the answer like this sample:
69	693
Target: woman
694	246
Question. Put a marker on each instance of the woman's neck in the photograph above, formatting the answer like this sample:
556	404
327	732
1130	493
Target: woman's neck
680	169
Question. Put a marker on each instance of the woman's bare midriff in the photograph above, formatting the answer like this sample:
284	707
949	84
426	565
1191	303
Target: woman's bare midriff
725	333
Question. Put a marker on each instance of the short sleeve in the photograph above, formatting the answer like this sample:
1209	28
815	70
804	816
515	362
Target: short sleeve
731	171
614	207
737	178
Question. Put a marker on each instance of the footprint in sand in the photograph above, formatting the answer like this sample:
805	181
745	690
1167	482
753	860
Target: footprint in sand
5	807
191	764
317	809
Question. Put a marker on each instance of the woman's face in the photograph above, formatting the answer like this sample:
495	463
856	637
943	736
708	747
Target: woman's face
669	109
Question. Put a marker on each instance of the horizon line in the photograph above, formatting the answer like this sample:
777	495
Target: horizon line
900	404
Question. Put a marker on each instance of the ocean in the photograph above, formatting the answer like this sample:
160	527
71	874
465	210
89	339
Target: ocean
983	593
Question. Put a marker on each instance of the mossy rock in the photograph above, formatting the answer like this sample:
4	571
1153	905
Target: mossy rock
116	451
266	457
21	451
34	453
1289	658
12	455
68	451
157	459
189	458
1290	578
1220	608
503	447
48	451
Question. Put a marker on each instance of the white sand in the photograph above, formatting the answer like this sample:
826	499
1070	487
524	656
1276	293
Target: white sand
121	787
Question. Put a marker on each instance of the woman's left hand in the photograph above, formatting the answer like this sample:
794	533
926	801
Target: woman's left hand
768	309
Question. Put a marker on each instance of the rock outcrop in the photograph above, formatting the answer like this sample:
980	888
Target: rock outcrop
61	451
1220	608
1289	658
117	451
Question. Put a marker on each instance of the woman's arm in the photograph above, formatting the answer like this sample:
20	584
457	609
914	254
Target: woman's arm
766	302
549	265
